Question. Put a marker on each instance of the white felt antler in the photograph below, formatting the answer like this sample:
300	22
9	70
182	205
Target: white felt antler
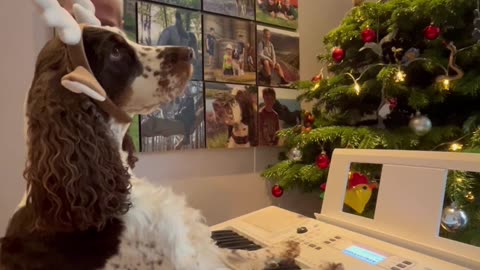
68	29
84	12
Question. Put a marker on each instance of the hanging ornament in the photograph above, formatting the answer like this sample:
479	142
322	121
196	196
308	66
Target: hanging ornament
295	154
309	118
338	54
368	35
322	161
470	197
277	191
387	107
431	32
456	147
420	124
453	218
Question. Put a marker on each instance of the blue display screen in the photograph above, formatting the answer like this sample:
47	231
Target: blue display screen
364	255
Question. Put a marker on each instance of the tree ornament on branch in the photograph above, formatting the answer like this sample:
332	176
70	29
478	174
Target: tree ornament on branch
338	54
323	161
368	35
277	191
295	154
431	32
454	219
420	124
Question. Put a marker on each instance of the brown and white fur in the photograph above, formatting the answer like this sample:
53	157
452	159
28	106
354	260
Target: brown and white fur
85	208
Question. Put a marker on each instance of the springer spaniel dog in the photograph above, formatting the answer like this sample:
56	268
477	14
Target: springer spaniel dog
85	209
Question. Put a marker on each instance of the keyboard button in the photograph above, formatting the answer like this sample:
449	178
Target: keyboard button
332	240
312	245
401	265
338	237
407	262
302	230
327	242
318	248
395	268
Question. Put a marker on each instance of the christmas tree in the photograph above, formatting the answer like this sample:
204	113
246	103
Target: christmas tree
402	74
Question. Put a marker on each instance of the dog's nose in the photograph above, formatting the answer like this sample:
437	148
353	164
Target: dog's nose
179	54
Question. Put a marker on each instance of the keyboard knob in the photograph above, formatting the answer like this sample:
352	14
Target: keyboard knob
302	230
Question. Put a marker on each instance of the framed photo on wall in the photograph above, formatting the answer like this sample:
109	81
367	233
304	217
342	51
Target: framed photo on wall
178	125
231	115
278	108
236	8
283	13
229	50
278	54
193	4
161	25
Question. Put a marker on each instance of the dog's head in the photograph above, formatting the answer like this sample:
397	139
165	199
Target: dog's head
87	86
138	79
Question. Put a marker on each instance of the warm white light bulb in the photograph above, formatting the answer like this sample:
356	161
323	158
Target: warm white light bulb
400	76
446	84
456	147
317	85
357	88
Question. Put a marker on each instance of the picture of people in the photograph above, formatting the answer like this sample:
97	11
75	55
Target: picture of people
229	50
194	4
231	115
283	13
278	109
160	25
178	125
278	54
237	8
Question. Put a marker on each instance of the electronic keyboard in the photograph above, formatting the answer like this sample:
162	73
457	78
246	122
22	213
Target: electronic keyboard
396	239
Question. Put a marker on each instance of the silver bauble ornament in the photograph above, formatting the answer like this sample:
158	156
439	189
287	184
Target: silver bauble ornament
420	124
453	218
295	154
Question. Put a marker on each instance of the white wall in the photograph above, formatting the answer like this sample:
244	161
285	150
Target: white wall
222	183
22	35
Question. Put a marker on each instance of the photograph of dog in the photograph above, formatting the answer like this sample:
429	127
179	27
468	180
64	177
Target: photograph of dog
178	125
160	25
278	109
229	50
278	54
282	13
231	115
237	8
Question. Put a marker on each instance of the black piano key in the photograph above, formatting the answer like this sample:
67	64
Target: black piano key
232	240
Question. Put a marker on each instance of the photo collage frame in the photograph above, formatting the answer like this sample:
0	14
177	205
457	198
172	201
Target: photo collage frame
246	63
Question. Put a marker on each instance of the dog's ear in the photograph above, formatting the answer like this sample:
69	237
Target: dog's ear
74	171
81	81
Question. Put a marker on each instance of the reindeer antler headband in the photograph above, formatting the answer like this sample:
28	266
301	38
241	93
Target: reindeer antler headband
81	79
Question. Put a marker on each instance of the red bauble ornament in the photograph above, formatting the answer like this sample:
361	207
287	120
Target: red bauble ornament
431	32
338	54
277	191
323	186
323	162
358	179
368	35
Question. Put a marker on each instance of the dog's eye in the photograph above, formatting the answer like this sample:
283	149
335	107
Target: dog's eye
115	55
